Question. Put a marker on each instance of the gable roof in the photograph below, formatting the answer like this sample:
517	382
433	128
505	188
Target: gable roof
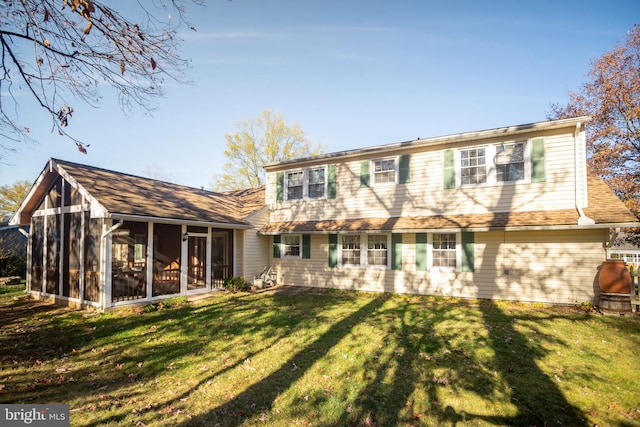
605	208
122	195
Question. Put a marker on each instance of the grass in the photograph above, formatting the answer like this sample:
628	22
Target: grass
340	359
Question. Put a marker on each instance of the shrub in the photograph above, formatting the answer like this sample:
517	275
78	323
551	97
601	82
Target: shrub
235	284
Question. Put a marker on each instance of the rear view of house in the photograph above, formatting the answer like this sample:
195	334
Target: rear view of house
510	213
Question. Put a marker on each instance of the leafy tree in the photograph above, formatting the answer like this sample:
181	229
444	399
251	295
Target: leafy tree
257	142
59	51
611	97
11	196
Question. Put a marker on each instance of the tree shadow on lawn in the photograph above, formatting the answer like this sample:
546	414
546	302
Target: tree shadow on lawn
242	407
107	361
535	395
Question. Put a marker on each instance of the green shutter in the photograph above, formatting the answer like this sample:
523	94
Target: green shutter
538	168
331	182
467	244
396	251
306	246
405	173
280	186
449	170
421	252
333	250
276	246
364	173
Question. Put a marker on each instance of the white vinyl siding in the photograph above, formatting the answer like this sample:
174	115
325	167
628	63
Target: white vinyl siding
545	266
424	194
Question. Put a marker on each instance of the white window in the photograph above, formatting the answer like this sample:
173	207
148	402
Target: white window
316	183
492	164
305	183
364	250
473	166
446	251
384	171
510	162
291	246
377	249
350	249
293	183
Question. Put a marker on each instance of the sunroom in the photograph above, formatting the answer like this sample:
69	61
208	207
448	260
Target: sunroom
103	239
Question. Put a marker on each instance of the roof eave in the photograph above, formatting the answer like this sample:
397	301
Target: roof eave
439	140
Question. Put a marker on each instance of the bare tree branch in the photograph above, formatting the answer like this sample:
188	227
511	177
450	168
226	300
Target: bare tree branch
60	52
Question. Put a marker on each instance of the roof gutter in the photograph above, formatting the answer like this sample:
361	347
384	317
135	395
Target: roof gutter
158	220
579	178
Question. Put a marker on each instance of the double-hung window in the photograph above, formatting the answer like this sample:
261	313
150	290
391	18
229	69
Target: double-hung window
364	250
510	162
445	251
305	183
350	249
377	249
291	246
473	166
384	171
316	183
495	163
294	181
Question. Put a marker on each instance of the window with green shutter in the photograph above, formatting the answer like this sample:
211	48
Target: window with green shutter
331	182
333	250
306	246
364	173
396	251
468	243
280	186
538	167
449	170
276	246
404	169
421	252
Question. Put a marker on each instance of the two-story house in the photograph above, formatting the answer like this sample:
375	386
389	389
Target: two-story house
509	213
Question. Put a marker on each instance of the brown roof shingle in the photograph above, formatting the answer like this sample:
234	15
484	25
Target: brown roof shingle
123	194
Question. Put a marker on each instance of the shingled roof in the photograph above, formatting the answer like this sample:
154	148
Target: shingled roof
128	195
605	208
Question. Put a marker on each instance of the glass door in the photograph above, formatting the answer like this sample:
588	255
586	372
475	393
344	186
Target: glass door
220	265
197	266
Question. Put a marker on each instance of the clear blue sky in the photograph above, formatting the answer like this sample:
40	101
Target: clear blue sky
351	73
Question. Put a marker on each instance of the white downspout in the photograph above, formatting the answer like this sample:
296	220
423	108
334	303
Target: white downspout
579	179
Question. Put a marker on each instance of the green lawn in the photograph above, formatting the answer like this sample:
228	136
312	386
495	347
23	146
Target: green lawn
323	360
